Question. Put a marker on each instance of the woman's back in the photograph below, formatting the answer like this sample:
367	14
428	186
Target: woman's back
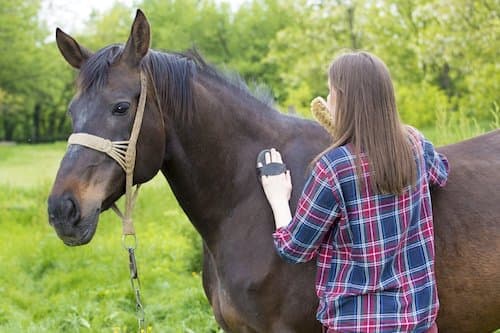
384	244
375	251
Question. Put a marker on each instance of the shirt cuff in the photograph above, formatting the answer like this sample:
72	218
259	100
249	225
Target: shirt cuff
282	236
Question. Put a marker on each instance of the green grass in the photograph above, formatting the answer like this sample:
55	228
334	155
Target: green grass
451	127
29	165
46	286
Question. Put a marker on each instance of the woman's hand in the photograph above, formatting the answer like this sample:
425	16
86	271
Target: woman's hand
278	189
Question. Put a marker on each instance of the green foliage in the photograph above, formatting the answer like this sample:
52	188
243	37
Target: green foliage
33	76
448	48
19	37
106	28
11	107
442	54
422	108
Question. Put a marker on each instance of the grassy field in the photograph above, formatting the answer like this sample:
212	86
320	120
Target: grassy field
48	287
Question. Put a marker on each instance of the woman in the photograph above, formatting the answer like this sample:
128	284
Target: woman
365	212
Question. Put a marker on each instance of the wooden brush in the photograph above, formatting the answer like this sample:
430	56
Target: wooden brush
319	109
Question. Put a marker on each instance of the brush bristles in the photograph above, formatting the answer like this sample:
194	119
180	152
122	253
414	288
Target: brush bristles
319	109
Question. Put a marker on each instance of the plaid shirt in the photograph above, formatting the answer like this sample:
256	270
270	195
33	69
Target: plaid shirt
374	252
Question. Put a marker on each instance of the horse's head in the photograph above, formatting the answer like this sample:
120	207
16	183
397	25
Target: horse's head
89	181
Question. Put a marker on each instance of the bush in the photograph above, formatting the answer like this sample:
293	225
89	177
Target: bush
419	104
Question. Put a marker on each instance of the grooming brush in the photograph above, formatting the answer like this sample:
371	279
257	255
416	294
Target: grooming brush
319	109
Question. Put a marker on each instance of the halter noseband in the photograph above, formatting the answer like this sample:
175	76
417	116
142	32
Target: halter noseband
123	152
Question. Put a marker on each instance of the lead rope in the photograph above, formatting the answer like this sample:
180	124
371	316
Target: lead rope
124	153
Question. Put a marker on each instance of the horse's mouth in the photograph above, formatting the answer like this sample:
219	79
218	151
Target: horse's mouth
84	233
88	225
86	237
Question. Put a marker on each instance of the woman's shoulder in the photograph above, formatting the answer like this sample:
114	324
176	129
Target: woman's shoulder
338	158
334	154
413	132
417	138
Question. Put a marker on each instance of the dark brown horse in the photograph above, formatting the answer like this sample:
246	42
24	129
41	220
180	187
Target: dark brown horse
204	132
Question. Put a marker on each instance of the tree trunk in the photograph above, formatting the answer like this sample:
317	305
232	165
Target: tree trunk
36	122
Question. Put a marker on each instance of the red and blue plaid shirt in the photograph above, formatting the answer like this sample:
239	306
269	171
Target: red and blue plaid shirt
374	252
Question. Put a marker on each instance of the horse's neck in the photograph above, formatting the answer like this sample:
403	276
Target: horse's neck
211	159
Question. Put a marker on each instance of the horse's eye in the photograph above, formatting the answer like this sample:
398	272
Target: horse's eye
121	108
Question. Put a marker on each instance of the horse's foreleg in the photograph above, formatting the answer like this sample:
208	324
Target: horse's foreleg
210	285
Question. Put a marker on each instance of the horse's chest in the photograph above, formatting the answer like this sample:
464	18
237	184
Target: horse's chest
237	299
240	305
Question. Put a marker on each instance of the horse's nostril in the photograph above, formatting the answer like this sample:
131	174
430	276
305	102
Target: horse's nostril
68	207
63	210
72	213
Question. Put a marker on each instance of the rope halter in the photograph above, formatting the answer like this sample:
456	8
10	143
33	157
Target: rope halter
124	153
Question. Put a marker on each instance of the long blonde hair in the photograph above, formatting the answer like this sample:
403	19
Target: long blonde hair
365	115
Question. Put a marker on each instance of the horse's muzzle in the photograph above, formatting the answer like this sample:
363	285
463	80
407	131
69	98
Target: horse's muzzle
65	216
63	210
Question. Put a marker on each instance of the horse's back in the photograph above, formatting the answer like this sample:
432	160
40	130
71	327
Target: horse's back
466	214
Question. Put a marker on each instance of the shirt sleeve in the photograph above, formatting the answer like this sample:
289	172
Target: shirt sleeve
437	165
317	210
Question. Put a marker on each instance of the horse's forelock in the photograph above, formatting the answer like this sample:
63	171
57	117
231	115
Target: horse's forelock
94	72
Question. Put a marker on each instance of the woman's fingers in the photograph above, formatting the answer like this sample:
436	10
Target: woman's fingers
276	156
267	157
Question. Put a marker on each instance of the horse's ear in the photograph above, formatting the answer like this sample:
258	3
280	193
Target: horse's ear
74	53
138	42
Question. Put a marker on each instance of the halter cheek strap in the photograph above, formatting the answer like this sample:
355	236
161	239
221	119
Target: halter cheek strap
124	153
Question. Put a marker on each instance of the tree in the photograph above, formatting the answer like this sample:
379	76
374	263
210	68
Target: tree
303	50
33	77
442	54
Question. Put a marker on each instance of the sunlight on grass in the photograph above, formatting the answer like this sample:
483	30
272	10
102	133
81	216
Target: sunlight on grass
28	165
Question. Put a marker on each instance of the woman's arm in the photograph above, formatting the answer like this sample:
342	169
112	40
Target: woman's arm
297	239
278	190
436	163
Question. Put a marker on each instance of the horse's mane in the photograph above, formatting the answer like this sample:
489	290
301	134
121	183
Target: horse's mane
172	74
230	78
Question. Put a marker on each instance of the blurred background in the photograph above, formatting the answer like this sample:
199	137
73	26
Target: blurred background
443	56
